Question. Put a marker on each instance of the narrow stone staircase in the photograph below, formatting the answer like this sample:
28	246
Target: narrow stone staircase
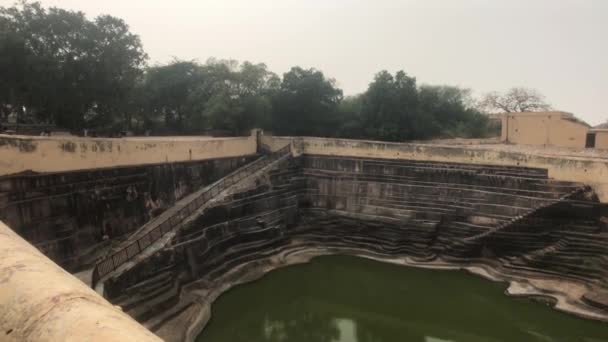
467	244
154	234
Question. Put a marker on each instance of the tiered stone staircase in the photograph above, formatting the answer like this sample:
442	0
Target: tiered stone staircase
513	219
153	236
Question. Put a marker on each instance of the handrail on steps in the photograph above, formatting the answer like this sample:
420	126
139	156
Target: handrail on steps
117	259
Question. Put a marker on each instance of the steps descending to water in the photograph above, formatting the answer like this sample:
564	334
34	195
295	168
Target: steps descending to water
515	221
172	219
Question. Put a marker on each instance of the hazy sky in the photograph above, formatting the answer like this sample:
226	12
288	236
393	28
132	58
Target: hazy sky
559	47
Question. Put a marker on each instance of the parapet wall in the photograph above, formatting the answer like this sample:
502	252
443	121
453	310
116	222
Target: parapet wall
41	302
562	164
56	154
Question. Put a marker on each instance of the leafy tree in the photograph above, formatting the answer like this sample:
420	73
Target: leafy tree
219	95
351	121
306	104
393	108
13	58
118	59
241	95
390	107
449	113
59	67
71	71
167	91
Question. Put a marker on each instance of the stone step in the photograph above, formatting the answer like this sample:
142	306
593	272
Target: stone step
154	305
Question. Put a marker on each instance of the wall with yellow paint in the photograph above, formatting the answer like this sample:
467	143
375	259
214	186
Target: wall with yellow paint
601	138
48	154
54	154
544	128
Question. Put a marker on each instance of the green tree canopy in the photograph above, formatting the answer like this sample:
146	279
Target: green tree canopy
59	67
306	103
389	107
448	112
394	108
224	95
64	68
167	90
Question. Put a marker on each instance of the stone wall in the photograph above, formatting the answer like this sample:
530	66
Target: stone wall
561	165
458	213
521	215
512	219
56	154
42	302
244	226
67	214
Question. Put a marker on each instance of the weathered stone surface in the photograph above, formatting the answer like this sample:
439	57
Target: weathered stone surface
511	222
587	166
598	299
494	212
66	215
39	301
70	153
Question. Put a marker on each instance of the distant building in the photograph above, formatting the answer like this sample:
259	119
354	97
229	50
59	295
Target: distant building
598	136
545	129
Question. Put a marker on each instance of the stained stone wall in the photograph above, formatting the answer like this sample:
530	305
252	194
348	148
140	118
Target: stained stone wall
512	218
69	153
67	214
523	215
584	166
529	223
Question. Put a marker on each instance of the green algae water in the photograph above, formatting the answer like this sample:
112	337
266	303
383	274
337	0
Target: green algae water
347	299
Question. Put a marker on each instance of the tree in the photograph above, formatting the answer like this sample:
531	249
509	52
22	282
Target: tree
167	91
394	108
12	68
389	107
350	117
306	104
514	100
220	95
241	95
57	66
67	69
118	59
448	112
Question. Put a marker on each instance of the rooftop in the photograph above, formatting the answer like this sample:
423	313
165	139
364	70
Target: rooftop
564	115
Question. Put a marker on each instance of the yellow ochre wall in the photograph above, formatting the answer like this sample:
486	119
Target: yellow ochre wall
543	128
601	139
54	154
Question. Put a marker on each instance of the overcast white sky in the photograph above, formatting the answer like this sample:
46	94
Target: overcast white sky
559	47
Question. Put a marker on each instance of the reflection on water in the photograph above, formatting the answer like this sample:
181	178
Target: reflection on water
347	330
346	299
434	339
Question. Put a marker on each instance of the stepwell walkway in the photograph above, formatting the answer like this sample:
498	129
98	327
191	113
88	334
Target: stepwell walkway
153	235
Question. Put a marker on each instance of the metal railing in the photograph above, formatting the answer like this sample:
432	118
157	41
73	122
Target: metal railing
117	259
